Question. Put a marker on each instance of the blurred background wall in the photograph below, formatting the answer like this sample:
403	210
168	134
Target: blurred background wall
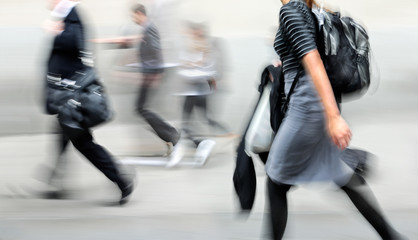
246	29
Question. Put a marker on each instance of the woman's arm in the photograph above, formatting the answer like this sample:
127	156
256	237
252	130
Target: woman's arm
338	129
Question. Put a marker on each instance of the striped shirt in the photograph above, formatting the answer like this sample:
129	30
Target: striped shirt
296	34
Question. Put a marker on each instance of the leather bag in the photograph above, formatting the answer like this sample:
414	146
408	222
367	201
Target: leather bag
88	105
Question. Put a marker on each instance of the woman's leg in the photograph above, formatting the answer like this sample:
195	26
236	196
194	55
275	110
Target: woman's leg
364	200
278	207
215	125
190	102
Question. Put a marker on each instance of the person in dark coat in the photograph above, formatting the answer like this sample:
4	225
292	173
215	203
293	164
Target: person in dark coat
64	59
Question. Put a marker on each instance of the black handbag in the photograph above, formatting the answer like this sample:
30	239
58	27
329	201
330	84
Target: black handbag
56	93
88	105
244	177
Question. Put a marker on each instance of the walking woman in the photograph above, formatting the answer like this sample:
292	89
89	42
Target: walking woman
313	135
67	29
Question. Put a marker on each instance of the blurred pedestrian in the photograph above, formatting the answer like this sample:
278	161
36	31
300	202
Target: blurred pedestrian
64	60
152	68
199	73
313	135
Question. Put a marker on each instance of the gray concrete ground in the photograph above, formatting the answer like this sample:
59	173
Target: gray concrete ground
184	202
199	202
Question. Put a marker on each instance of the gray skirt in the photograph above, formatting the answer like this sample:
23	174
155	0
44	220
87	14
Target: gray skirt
302	150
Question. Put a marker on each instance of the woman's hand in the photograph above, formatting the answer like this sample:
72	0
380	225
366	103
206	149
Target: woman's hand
339	131
337	127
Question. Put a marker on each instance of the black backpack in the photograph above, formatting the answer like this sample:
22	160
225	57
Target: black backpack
344	48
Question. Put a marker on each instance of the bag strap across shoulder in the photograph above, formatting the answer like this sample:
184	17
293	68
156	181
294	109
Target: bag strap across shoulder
292	88
84	52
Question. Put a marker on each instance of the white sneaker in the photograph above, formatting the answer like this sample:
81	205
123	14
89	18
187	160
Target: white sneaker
176	155
203	151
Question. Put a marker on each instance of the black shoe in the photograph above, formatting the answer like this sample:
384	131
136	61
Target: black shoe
126	193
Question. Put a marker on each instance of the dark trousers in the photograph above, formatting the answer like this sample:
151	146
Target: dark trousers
357	191
197	102
164	130
96	154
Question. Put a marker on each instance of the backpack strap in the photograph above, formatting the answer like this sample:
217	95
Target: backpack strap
285	105
278	102
295	81
84	47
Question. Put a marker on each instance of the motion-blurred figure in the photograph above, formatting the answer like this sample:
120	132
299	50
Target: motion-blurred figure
199	72
68	34
152	68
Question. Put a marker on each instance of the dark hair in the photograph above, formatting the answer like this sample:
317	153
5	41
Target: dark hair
139	8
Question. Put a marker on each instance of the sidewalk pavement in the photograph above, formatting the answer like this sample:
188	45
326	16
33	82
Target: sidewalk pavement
183	202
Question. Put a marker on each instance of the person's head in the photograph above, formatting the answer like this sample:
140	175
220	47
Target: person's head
197	29
139	14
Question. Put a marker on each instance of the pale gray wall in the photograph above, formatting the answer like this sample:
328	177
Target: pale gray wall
246	27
